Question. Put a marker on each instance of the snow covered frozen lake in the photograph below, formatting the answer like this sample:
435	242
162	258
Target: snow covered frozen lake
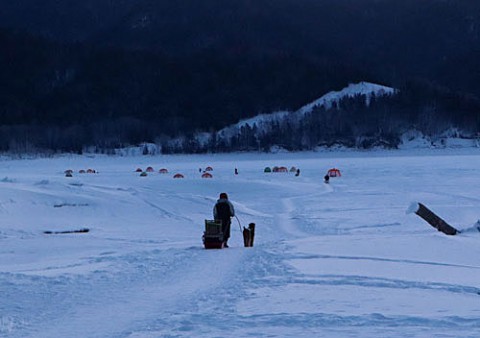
342	259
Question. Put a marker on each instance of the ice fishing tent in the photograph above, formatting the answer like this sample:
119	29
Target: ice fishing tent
82	171
334	172
208	169
280	170
178	176
293	169
91	171
143	174
267	170
163	171
207	175
139	170
149	170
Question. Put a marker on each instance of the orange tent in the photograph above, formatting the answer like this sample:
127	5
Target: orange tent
207	175
334	172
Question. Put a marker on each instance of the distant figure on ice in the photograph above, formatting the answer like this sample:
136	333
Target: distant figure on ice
236	171
223	210
297	173
326	178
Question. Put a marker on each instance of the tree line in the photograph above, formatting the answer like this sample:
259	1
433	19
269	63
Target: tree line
111	74
356	122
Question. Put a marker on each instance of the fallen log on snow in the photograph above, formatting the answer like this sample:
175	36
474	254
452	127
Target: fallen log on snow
431	218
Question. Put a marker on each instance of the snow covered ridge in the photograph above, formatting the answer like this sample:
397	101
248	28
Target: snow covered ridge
262	121
286	130
362	88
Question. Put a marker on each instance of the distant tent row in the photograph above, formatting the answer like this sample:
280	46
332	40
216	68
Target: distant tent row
279	169
334	172
69	172
178	175
165	171
151	170
204	175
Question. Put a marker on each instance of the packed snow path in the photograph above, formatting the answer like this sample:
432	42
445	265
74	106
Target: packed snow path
339	259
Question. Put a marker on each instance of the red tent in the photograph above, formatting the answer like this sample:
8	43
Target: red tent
139	170
334	172
149	170
163	171
280	170
207	175
178	176
208	169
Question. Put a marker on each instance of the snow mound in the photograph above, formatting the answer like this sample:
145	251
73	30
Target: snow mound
412	208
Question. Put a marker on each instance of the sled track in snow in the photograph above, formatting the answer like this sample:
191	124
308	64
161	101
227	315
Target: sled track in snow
149	281
288	221
379	259
375	282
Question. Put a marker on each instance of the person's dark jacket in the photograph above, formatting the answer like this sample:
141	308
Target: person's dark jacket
223	210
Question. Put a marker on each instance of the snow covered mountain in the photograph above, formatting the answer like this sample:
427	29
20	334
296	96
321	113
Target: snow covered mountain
362	88
263	121
329	122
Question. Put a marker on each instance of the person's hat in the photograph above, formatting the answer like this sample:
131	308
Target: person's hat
224	195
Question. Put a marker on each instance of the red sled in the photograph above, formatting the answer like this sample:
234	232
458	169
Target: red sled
213	235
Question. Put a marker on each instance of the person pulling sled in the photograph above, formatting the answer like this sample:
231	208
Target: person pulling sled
223	211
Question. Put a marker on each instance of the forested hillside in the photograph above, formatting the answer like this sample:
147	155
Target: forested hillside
112	73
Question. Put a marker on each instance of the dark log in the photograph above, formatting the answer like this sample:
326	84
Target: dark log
435	221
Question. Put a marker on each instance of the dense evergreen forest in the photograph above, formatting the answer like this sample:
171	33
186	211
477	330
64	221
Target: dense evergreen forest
109	74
